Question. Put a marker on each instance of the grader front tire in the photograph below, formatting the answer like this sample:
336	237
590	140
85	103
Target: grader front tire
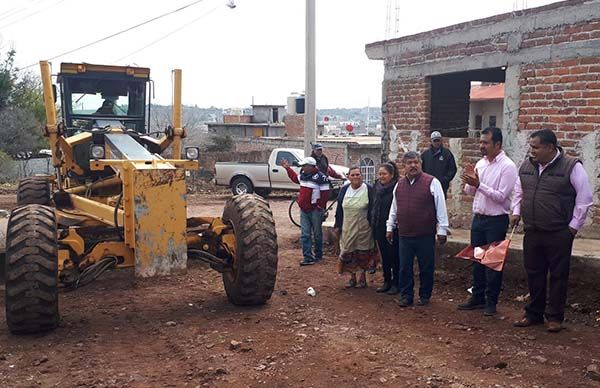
33	191
31	291
252	279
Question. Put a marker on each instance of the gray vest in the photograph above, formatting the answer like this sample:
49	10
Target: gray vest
548	199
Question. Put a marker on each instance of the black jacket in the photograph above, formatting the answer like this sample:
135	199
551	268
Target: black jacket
441	165
381	207
339	212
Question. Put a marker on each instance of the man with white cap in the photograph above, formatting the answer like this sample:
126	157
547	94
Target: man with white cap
312	199
439	161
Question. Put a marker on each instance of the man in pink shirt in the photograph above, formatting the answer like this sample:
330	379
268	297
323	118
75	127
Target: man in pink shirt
553	196
491	182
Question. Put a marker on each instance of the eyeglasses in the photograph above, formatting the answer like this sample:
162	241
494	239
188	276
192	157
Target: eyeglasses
436	140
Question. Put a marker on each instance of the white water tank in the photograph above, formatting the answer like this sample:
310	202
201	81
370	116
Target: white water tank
291	105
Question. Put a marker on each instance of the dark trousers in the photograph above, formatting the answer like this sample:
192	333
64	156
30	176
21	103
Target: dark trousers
389	259
543	253
424	249
487	282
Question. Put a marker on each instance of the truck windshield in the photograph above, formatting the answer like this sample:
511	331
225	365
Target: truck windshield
89	97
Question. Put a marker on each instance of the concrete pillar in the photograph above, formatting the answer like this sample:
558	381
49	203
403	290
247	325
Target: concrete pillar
515	144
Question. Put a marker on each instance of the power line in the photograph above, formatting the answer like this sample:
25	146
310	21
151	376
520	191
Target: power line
118	33
11	12
31	14
168	35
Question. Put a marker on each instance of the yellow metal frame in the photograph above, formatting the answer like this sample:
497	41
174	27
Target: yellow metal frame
152	211
100	164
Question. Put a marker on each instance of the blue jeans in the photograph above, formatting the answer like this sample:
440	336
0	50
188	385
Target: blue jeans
310	225
487	282
424	248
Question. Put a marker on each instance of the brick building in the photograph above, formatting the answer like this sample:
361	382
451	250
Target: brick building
549	61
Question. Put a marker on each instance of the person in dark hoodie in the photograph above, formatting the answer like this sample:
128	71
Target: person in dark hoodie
323	162
384	194
439	162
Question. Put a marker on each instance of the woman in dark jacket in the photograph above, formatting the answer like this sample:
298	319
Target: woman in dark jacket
358	252
382	201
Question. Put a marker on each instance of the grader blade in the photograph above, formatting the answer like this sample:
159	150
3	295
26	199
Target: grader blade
155	207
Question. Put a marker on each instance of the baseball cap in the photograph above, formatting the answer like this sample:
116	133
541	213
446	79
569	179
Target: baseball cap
317	146
308	161
436	135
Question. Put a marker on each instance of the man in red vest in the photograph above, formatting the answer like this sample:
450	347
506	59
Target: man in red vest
419	212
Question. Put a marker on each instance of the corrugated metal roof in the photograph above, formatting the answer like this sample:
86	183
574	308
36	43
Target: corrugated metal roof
487	92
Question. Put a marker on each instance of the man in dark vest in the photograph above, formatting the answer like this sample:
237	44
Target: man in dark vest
419	212
553	196
439	161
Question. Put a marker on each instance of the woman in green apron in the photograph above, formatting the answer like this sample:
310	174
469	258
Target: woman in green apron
358	252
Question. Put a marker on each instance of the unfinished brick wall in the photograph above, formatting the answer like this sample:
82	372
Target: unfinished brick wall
564	33
565	96
294	125
234	119
336	155
552	65
491	45
408	103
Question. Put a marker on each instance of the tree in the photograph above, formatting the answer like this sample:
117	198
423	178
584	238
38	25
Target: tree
7	78
21	108
19	131
219	143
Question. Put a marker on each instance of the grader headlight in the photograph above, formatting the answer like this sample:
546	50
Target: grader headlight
192	153
97	151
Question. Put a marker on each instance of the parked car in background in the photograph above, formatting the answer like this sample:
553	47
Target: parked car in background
262	178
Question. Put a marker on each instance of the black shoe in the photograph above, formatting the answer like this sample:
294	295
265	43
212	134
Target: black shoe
405	302
471	304
423	302
393	290
307	262
384	288
489	311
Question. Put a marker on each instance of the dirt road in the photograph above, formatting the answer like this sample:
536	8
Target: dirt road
181	331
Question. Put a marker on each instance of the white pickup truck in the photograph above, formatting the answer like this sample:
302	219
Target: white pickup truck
261	178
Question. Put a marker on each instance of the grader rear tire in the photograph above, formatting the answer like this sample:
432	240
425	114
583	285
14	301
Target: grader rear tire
252	279
33	190
31	290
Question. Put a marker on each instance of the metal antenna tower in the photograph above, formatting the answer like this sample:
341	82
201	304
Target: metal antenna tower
392	24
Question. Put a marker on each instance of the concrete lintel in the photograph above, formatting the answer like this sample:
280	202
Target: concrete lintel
522	23
555	52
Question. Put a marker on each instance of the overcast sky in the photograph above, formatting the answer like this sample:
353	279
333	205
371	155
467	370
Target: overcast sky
229	56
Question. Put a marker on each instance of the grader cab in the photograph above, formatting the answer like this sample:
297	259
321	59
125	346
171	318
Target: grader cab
116	200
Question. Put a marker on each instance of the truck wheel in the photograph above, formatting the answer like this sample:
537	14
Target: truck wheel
31	290
33	191
254	268
241	185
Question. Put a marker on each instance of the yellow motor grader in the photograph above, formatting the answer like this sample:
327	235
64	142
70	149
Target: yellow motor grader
115	201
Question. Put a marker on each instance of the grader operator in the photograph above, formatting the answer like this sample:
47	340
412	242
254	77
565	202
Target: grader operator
116	200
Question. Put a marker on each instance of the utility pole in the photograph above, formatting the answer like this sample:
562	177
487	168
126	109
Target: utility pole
310	109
